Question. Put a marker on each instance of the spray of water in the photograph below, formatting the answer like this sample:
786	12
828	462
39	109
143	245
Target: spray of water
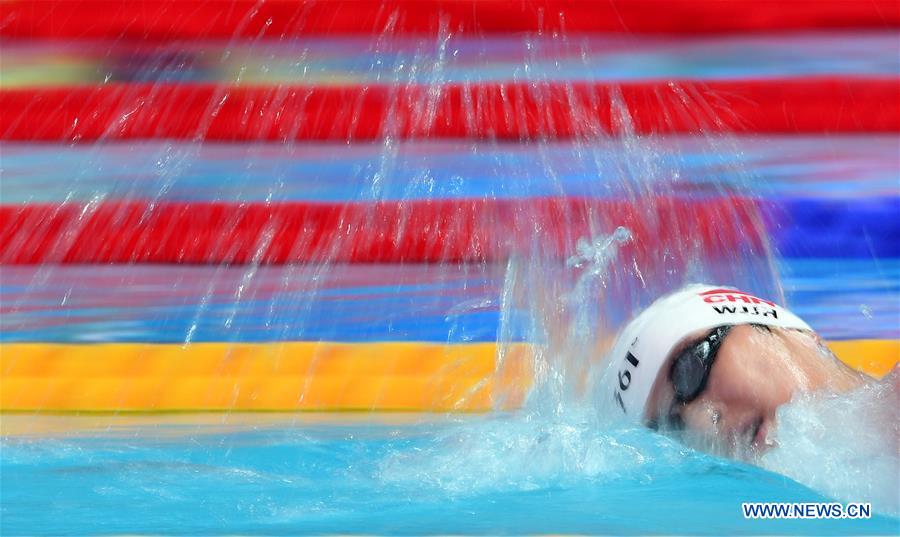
847	446
573	304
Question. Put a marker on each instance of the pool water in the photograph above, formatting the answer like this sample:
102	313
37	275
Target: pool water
531	471
499	474
844	298
452	58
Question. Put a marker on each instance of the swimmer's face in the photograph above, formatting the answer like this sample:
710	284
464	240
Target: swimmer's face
755	370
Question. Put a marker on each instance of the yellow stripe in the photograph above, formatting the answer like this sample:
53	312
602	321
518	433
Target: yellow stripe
875	357
292	376
269	376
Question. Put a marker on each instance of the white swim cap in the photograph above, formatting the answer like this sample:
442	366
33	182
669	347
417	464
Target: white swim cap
642	349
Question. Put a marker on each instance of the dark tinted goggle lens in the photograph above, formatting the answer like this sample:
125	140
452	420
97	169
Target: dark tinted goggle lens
690	370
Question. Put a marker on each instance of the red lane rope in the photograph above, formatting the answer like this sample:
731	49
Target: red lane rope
500	110
412	231
251	19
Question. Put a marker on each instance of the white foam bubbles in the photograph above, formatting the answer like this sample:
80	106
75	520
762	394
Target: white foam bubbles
845	446
529	452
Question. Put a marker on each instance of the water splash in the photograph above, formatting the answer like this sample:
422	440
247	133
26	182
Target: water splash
847	446
595	256
571	310
525	452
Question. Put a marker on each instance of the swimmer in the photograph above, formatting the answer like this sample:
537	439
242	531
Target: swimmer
715	364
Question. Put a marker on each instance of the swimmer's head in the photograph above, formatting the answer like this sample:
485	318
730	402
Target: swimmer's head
716	362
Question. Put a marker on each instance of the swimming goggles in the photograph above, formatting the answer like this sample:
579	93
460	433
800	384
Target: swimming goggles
690	370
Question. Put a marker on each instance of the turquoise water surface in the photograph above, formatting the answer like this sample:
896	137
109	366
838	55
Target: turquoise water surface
285	475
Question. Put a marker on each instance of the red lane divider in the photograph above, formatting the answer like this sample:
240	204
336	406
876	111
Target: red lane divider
252	19
415	231
500	110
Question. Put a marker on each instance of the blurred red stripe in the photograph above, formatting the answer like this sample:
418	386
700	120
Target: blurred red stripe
412	231
251	19
499	110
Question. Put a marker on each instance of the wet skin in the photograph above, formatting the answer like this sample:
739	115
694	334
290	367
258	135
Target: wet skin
756	370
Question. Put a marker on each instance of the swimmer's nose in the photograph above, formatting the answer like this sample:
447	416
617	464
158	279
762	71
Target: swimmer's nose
749	429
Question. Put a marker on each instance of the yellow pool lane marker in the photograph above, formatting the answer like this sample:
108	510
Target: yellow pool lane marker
292	376
875	357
